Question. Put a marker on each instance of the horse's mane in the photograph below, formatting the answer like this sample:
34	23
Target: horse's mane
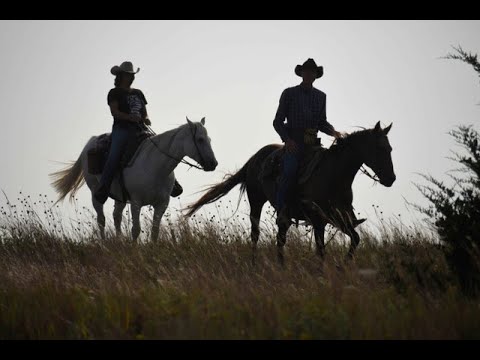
171	132
350	139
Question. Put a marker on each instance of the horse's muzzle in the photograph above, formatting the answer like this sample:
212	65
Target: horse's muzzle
210	165
388	181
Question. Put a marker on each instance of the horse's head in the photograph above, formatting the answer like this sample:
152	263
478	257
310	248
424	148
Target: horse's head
200	148
377	155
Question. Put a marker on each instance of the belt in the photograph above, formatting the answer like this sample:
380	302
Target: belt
307	136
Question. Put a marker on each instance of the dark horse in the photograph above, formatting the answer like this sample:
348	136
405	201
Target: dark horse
326	196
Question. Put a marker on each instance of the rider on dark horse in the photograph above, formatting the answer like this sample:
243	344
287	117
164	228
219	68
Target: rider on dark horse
128	108
304	107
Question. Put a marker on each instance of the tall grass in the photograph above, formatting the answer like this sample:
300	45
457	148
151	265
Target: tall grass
61	281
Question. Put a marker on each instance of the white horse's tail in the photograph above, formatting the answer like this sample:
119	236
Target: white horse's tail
68	180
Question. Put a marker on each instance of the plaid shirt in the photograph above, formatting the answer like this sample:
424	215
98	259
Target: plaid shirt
304	109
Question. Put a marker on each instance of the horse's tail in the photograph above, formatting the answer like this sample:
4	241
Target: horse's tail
68	180
219	190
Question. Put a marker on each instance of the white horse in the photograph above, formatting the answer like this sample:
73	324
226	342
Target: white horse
150	178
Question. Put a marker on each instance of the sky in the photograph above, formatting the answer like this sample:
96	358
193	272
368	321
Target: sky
56	76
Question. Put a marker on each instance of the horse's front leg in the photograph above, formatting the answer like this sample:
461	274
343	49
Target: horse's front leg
159	210
348	223
100	216
354	241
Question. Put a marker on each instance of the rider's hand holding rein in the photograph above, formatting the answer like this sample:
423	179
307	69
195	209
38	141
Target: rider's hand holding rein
338	134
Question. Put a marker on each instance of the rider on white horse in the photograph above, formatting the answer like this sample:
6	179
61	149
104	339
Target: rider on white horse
128	108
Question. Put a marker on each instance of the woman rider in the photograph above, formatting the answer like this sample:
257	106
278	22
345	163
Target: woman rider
128	108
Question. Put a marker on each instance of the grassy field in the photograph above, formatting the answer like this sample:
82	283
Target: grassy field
197	282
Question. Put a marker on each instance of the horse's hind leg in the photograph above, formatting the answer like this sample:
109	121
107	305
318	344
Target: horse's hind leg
117	216
100	216
255	213
256	200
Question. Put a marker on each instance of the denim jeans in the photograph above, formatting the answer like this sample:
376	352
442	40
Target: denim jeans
121	134
291	161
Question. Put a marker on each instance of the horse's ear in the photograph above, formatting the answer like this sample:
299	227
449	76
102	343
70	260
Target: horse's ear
203	121
188	121
378	128
387	129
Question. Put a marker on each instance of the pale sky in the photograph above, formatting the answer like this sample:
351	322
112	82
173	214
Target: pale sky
57	76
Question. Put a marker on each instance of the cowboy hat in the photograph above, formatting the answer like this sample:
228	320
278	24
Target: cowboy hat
126	66
309	64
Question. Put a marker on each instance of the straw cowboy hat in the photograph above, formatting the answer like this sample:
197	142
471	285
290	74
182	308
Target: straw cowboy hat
309	64
126	66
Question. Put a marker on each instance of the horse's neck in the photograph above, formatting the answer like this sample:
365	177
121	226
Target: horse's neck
164	151
347	162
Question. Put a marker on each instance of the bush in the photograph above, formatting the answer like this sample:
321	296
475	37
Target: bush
455	211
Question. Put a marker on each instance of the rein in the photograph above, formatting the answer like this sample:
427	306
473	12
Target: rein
150	130
194	134
374	177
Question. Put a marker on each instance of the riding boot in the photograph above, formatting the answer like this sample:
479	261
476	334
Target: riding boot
177	189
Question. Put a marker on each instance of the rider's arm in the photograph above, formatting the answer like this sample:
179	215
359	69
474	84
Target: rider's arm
324	125
145	116
146	119
145	113
117	114
278	122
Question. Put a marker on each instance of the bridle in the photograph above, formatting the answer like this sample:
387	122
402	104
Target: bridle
150	130
374	177
194	135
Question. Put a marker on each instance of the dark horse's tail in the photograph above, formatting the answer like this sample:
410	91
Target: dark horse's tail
219	190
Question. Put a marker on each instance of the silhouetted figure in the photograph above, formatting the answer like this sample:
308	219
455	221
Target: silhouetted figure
304	107
128	108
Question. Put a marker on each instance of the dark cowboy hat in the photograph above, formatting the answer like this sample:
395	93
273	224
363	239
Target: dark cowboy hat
309	64
126	66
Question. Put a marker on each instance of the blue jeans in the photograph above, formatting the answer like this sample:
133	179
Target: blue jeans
121	134
291	161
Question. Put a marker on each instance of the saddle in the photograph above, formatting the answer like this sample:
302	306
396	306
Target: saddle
272	167
97	156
